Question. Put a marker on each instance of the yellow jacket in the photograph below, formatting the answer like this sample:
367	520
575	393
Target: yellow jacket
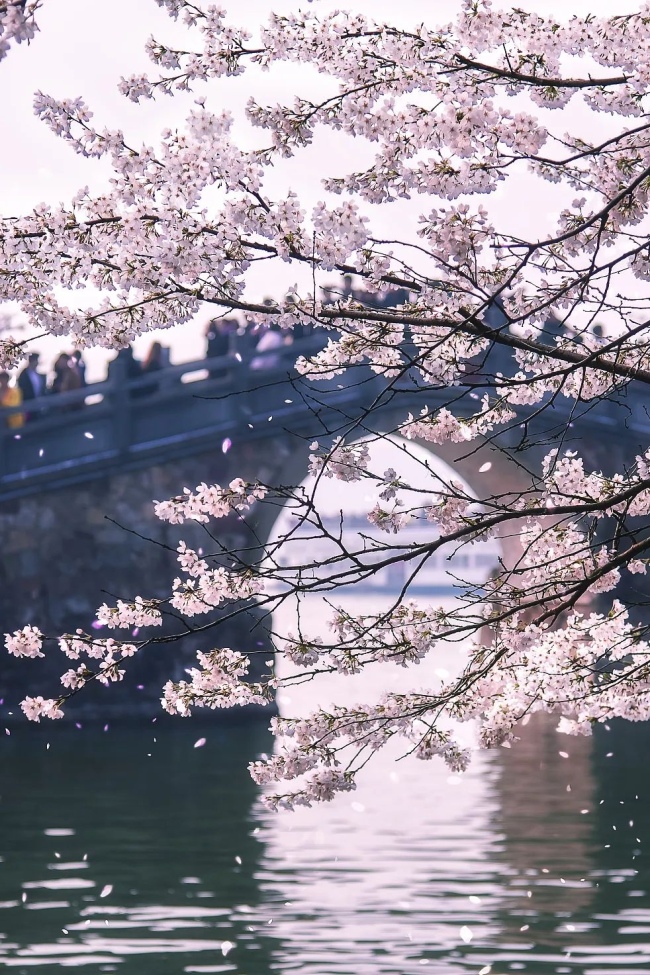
13	397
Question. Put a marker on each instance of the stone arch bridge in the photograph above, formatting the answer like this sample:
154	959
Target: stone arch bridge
77	481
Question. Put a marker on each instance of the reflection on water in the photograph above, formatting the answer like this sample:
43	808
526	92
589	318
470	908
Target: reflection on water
134	851
129	850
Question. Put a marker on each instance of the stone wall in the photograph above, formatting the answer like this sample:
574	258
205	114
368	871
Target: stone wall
64	553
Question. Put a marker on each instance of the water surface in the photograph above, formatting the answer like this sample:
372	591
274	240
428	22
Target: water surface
133	851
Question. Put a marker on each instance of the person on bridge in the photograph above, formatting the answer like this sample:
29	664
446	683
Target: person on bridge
218	333
154	362
31	383
77	363
66	379
245	339
124	368
11	396
271	341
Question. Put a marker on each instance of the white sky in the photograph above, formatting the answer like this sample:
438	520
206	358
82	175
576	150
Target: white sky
84	47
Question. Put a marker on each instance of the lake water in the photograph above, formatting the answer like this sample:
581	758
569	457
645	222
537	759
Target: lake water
132	851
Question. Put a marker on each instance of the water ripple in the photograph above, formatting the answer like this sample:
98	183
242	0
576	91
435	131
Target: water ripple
499	869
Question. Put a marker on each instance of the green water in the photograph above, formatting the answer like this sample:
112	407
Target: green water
416	871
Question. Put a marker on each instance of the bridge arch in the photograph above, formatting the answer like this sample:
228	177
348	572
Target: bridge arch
63	547
487	469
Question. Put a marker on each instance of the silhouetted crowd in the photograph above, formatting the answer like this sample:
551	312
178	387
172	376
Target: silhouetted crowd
69	373
259	346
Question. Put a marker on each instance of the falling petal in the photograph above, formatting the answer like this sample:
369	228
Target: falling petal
486	970
563	754
96	625
474	899
485	467
41	452
288	401
199	743
106	890
238	860
7	732
89	435
135	631
226	445
226	946
466	934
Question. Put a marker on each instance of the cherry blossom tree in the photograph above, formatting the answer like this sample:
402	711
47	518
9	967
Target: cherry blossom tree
437	123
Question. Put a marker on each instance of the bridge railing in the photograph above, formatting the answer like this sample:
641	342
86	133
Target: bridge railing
82	434
76	435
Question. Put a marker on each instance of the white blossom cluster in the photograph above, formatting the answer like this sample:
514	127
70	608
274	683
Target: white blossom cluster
219	683
311	748
443	426
35	708
594	668
213	587
17	23
140	612
345	462
209	501
27	642
11	353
